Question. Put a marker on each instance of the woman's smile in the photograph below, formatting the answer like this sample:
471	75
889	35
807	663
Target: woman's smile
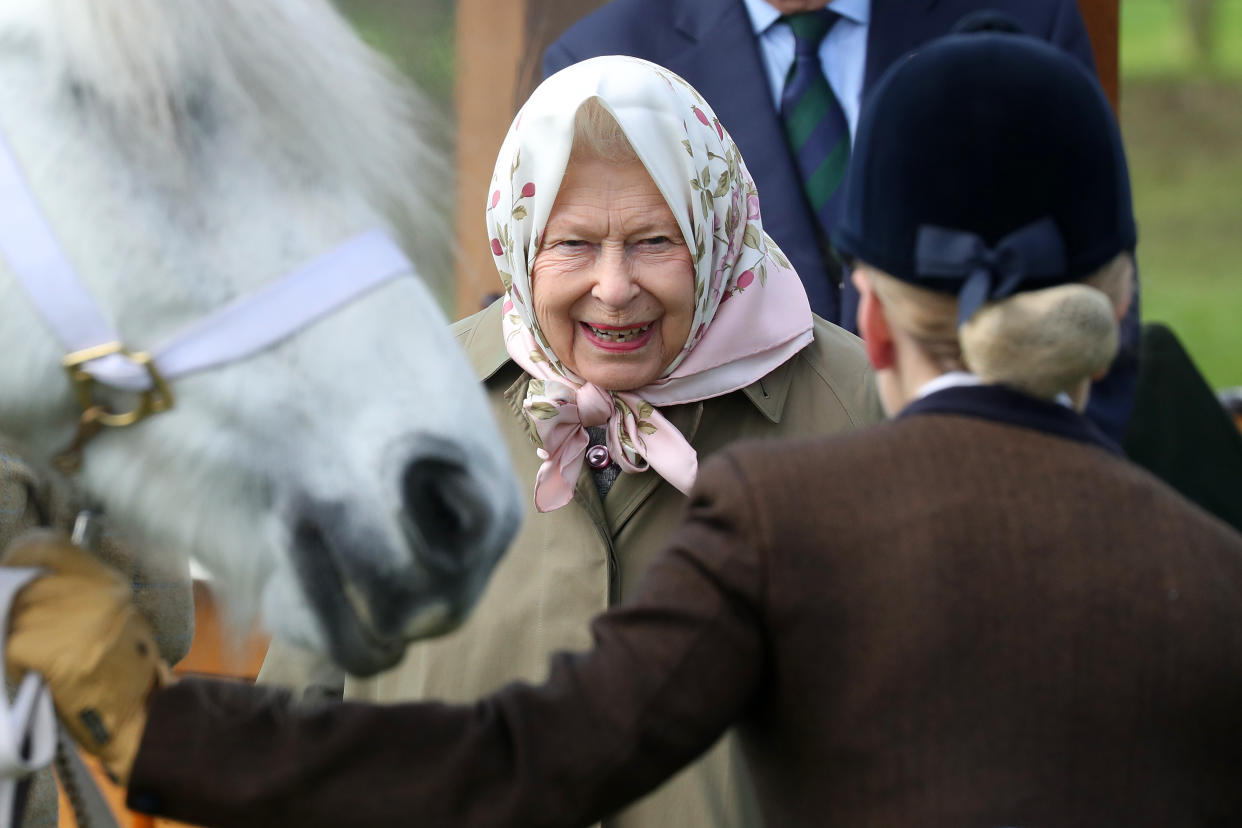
616	338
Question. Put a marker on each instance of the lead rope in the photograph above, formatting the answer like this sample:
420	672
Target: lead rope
89	807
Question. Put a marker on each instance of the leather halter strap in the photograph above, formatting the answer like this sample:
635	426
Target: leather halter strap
238	330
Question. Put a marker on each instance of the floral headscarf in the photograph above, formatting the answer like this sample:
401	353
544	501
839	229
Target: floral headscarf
751	313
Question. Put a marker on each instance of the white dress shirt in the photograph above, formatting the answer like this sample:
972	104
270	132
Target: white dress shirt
843	52
950	379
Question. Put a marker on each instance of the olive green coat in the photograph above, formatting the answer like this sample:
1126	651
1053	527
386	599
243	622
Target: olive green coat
566	566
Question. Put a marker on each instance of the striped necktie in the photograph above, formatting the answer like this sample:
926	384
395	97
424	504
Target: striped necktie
815	124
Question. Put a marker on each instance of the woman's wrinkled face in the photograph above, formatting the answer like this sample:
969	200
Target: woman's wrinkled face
612	281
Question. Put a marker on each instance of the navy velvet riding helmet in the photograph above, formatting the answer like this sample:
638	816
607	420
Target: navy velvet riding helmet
987	163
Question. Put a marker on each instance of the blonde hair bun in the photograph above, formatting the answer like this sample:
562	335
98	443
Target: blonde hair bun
1043	342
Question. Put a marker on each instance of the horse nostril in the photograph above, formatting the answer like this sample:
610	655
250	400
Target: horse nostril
447	509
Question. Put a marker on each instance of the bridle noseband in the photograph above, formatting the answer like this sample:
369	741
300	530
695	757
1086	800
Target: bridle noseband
97	356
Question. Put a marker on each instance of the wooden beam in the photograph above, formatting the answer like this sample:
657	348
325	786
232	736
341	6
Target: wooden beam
1103	25
500	49
546	20
491	42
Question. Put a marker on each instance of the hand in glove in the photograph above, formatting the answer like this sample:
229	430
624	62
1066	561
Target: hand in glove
77	627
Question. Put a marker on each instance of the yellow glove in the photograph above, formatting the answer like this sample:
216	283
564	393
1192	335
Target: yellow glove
77	627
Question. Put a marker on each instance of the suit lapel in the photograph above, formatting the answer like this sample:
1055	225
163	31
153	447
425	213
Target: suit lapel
722	60
896	27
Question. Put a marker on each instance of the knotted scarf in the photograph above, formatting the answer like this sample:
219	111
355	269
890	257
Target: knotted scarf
750	314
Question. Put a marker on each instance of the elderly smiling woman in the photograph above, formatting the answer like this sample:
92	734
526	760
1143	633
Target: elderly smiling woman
648	320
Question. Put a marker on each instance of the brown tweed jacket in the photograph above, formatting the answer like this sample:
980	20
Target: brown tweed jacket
943	621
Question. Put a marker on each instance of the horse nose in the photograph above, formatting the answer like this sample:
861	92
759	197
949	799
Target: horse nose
449	511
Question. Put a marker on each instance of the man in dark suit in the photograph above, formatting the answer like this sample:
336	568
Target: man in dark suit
742	55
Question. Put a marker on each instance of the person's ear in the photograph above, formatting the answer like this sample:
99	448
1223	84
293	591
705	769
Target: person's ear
1123	307
873	325
1120	309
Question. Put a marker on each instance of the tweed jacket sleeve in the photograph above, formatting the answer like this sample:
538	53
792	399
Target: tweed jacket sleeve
670	671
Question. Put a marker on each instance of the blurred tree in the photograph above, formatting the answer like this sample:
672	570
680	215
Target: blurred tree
416	34
1201	19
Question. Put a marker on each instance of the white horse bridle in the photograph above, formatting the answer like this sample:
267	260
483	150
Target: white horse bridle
96	354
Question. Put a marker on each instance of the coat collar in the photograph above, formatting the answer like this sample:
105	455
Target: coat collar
896	27
481	338
1006	405
763	15
696	18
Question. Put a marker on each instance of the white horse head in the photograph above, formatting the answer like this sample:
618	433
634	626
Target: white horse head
347	483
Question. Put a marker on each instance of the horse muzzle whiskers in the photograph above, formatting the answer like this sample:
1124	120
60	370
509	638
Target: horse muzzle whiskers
374	590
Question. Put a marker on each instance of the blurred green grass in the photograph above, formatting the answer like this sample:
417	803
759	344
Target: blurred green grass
1182	123
1155	40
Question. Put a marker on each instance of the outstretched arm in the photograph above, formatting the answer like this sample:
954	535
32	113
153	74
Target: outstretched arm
668	674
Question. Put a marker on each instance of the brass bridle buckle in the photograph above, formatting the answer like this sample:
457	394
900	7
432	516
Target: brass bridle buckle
153	400
95	414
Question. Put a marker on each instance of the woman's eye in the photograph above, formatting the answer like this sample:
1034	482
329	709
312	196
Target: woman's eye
571	243
654	240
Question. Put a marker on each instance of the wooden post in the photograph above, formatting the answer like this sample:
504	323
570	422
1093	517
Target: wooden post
491	40
500	49
546	20
1103	25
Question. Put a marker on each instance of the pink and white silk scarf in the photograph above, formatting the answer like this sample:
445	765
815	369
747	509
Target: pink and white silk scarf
751	313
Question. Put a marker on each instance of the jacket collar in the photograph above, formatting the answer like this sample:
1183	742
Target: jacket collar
763	15
896	27
479	335
1000	404
481	338
696	18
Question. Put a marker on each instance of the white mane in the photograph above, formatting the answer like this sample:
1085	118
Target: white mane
159	73
187	153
